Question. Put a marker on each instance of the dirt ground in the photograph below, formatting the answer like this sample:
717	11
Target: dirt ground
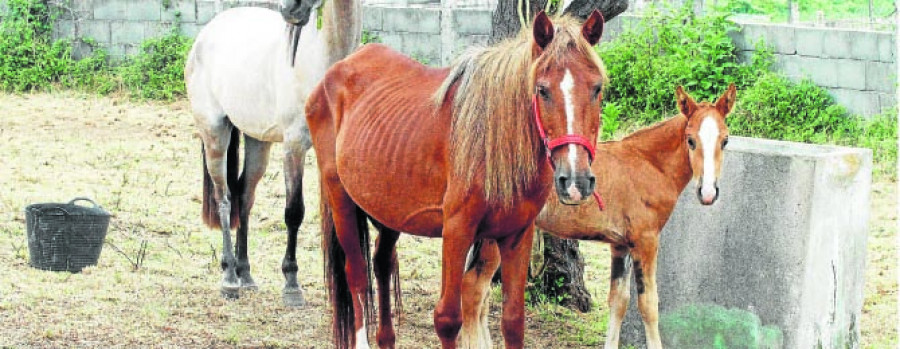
142	163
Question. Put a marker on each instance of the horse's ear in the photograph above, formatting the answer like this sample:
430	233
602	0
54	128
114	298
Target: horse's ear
592	30
543	30
725	104
686	104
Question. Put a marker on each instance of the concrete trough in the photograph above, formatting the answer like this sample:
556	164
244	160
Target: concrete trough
777	262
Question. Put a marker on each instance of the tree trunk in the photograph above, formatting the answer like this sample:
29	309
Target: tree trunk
562	278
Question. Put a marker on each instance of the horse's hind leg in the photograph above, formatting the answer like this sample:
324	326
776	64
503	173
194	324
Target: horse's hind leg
256	157
645	253
619	293
295	149
485	260
216	140
386	268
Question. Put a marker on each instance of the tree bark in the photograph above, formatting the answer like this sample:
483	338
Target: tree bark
562	278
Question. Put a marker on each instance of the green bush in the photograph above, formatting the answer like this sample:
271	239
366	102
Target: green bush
28	58
713	326
158	71
668	48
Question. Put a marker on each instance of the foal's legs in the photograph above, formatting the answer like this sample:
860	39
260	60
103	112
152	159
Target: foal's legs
216	138
619	293
256	157
515	253
385	265
475	333
645	278
296	145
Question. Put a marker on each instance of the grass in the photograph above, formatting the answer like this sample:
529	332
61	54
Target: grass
141	161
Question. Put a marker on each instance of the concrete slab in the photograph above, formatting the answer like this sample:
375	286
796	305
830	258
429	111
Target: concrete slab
785	244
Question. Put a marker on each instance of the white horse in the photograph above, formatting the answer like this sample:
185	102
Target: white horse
250	72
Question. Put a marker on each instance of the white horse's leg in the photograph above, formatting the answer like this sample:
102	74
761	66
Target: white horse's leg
216	140
619	294
256	157
297	143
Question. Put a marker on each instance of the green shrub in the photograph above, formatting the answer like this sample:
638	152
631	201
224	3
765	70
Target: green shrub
713	326
668	48
157	72
28	58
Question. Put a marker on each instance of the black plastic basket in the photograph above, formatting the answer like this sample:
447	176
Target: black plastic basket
65	236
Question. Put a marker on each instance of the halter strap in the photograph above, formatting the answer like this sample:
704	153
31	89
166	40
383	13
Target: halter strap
550	144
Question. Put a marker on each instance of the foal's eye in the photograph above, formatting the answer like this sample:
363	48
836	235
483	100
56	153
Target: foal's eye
544	92
691	143
724	142
597	90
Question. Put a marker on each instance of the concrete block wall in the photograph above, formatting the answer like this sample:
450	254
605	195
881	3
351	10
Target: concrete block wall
121	26
791	252
856	66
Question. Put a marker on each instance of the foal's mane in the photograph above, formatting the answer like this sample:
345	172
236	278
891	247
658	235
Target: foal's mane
493	132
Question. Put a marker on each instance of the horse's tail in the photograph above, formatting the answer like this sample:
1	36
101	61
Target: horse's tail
343	326
210	210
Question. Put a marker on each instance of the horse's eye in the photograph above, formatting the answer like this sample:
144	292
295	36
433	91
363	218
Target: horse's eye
691	143
724	142
597	90
544	92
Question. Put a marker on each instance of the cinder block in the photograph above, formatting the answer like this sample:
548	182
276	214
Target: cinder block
865	103
468	41
110	9
887	101
863	45
786	242
836	44
156	29
372	18
472	21
788	65
205	11
143	10
412	20
851	74
187	10
753	33
823	72
810	41
392	40
782	39
887	50
425	48
97	30
125	32
191	29
881	77
64	29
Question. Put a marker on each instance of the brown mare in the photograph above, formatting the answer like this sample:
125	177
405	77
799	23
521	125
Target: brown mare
644	173
451	153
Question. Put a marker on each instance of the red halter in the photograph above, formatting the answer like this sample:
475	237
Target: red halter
550	144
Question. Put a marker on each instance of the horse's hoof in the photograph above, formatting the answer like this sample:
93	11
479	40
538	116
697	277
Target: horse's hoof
231	292
293	298
249	287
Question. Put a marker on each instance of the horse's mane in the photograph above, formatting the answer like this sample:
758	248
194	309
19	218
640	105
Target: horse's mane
493	131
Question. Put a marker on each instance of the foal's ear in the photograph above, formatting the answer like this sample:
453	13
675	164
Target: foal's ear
592	30
543	30
686	104
725	104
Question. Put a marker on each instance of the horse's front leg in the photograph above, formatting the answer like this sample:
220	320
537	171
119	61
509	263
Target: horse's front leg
645	253
619	294
459	233
515	252
475	333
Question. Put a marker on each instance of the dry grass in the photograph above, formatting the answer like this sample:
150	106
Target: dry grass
142	163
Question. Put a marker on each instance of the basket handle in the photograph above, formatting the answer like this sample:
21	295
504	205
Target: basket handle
81	198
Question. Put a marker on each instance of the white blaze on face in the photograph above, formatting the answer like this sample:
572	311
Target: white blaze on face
709	136
566	85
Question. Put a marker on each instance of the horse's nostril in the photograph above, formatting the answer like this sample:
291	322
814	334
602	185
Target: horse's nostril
592	181
562	181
